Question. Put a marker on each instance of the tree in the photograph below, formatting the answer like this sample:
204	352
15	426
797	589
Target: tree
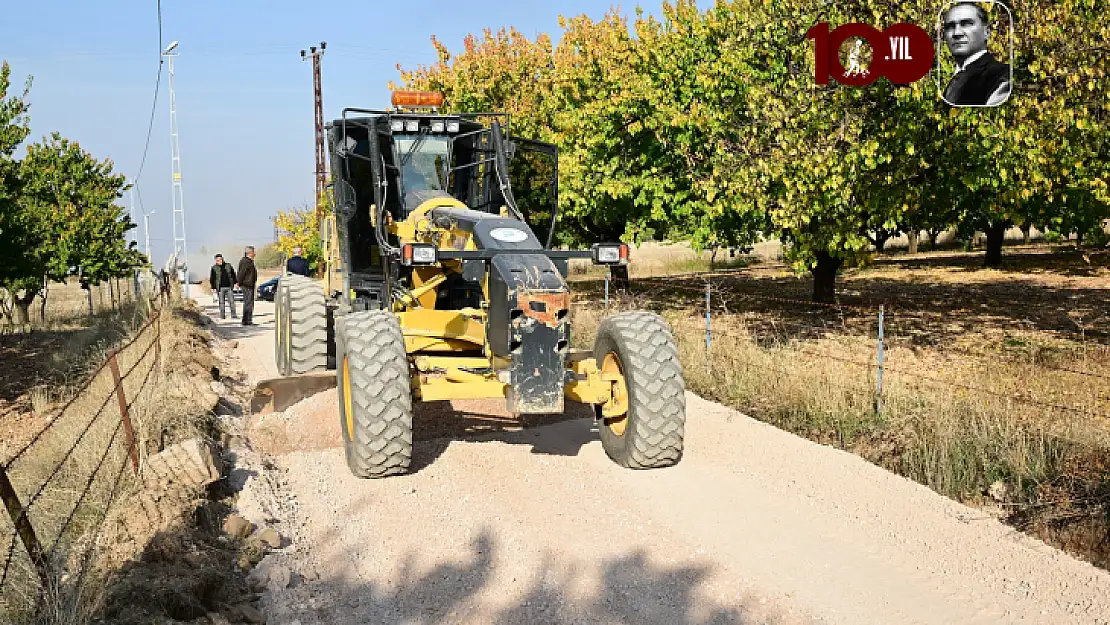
269	257
621	117
68	197
298	227
14	128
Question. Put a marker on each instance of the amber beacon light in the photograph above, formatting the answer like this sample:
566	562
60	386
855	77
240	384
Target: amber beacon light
417	98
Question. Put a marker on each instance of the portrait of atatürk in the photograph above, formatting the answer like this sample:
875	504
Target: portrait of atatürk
980	79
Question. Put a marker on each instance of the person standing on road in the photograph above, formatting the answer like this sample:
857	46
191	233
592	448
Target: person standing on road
248	276
297	264
222	279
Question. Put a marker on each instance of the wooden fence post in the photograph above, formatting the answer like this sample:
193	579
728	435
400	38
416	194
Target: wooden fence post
158	338
23	526
123	412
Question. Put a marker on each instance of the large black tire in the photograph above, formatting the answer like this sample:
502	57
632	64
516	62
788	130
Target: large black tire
302	317
650	434
375	393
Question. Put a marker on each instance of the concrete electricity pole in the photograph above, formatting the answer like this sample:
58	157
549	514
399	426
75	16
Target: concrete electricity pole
181	248
146	230
321	164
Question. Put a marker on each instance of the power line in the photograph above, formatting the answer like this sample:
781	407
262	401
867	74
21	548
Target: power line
154	104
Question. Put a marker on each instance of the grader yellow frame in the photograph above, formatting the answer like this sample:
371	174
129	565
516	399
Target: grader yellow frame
437	288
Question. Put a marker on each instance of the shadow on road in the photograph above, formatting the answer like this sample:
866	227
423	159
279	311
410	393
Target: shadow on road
437	424
629	589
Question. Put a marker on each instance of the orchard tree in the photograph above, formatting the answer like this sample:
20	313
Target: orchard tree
69	197
502	71
14	128
298	227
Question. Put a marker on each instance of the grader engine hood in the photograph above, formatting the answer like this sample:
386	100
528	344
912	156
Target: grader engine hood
528	326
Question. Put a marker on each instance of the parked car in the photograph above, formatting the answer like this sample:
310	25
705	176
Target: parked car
236	294
266	289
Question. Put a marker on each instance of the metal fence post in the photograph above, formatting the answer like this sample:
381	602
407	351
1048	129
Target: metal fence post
608	272
879	377
708	331
123	412
23	526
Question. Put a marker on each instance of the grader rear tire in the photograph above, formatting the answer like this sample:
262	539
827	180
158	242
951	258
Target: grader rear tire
639	349
375	394
302	326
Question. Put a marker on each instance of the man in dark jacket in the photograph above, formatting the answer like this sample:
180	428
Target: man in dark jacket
248	277
980	80
297	264
222	280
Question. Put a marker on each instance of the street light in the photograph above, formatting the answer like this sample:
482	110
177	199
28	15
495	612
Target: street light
146	231
181	248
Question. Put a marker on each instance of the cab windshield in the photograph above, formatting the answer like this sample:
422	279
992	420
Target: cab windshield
423	161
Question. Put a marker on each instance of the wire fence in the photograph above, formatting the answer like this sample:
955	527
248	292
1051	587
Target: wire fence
60	482
858	338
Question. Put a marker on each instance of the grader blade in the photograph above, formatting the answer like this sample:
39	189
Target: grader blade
278	394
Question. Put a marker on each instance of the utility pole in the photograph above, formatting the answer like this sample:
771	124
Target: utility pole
321	164
180	245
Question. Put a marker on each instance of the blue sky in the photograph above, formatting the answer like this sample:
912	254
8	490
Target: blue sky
244	96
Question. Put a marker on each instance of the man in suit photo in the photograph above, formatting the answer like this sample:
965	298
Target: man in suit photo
980	79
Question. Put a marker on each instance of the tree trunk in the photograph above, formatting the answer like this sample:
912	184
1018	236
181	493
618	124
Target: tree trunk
111	293
881	237
42	298
88	292
620	277
996	234
22	310
1025	234
933	236
100	293
914	237
824	277
713	257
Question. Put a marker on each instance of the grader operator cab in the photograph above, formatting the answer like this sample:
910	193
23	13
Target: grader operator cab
437	287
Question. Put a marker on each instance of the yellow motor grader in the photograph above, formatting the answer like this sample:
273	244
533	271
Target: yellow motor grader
438	287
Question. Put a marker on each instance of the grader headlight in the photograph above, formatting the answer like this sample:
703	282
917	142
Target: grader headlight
610	254
413	254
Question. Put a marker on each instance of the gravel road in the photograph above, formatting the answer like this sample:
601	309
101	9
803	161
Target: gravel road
755	525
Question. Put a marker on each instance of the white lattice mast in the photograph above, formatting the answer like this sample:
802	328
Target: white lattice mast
180	244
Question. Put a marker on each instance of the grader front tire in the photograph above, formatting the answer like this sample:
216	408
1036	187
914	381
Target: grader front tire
375	398
644	430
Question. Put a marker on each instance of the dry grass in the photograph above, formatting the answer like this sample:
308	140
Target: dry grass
70	475
813	373
656	259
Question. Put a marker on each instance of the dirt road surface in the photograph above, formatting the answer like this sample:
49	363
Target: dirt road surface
537	526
